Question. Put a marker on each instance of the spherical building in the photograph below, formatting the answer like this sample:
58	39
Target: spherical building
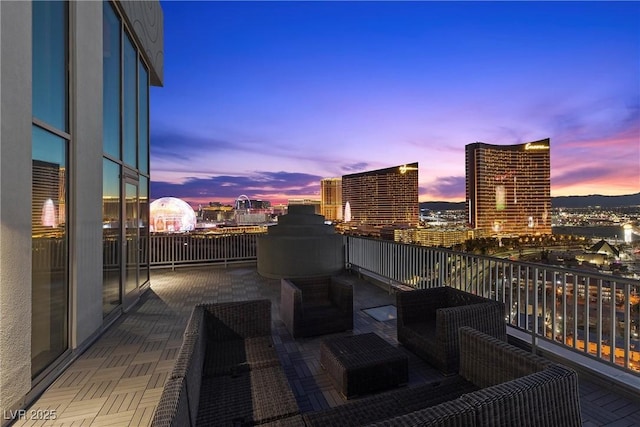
171	215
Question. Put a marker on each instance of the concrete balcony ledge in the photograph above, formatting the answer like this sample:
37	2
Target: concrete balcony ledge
599	373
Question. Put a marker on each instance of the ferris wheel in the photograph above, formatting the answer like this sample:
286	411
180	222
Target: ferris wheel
242	198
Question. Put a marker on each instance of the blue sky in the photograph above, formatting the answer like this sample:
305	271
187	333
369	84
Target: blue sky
267	98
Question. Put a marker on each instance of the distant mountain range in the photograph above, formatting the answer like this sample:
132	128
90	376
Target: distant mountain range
557	202
596	200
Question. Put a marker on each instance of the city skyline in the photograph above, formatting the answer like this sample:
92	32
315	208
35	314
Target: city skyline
266	99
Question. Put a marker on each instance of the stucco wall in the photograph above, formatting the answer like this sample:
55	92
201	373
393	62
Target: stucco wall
146	20
15	205
86	165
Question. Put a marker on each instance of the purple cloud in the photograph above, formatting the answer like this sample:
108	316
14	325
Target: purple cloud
224	188
355	167
446	187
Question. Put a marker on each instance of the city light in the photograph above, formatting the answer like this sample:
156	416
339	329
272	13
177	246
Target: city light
628	233
347	212
49	217
405	168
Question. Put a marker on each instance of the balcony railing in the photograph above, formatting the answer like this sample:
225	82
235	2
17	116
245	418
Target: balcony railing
174	250
594	314
597	315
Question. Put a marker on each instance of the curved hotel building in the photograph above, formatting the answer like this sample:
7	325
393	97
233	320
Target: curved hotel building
508	188
382	197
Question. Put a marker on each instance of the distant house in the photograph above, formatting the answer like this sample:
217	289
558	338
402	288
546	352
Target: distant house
603	247
601	254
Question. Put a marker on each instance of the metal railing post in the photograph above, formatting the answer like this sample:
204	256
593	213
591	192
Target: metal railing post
403	264
534	329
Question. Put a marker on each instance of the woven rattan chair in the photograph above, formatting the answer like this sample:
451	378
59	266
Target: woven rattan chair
227	371
316	306
515	388
498	385
429	319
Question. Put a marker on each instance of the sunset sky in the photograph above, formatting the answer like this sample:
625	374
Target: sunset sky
266	98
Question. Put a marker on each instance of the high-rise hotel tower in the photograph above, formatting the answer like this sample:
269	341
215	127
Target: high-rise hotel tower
508	188
331	198
382	197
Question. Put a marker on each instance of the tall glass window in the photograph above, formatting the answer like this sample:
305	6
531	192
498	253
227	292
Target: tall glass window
49	192
111	253
111	81
126	164
49	67
49	322
143	166
143	119
132	237
144	229
130	95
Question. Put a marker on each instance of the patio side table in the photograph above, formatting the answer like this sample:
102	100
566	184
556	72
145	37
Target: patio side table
362	364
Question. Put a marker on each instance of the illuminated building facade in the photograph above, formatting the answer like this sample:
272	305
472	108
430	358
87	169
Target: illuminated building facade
331	198
508	188
383	197
244	202
74	185
171	215
314	203
444	238
217	212
48	198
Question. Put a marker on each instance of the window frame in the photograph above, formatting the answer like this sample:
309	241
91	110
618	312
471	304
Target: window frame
66	136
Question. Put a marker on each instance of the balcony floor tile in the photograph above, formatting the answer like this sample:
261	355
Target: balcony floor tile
119	379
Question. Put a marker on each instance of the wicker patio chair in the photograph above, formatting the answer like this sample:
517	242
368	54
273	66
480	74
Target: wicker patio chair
227	369
429	319
316	306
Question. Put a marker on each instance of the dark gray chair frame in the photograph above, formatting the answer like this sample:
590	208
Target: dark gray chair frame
316	306
498	385
429	319
227	370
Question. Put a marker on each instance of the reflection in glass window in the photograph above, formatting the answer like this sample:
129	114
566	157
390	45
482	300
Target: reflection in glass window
130	95
49	73
132	236
126	153
111	253
143	119
144	229
111	81
49	325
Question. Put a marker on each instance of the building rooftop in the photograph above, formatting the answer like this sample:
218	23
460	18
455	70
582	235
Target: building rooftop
118	380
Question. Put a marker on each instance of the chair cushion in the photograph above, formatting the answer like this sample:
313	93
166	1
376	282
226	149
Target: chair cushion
420	338
248	398
315	293
424	396
382	406
312	304
319	313
233	356
426	330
